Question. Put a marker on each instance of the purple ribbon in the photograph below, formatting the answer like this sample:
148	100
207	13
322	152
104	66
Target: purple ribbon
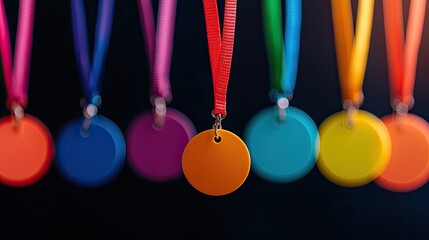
91	75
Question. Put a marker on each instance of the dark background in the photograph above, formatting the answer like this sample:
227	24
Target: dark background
131	207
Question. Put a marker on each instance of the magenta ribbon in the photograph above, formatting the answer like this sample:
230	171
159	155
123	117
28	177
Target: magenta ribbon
16	75
159	45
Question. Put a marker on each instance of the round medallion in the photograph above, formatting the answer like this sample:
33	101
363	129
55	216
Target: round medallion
356	155
408	168
156	154
282	151
26	150
91	157
216	167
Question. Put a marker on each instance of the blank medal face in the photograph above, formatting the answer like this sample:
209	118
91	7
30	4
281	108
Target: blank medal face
216	168
26	150
156	154
282	151
91	157
408	168
353	156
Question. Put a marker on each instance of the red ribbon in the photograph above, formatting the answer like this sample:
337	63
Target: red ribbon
220	49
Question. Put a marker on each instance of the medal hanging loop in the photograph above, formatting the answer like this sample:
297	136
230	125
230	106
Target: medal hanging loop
16	75
220	50
217	125
283	55
352	49
159	46
17	113
91	74
402	56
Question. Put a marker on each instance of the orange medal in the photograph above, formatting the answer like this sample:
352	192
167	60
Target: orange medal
216	162
408	168
26	147
26	150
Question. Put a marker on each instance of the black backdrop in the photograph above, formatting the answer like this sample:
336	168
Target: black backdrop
131	207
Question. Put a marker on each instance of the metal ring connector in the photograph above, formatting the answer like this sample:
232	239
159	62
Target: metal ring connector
401	108
159	112
17	112
351	111
282	105
217	125
89	112
218	115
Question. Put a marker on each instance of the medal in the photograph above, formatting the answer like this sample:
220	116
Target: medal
354	144
91	150
408	168
283	141
156	139
216	162
26	146
151	132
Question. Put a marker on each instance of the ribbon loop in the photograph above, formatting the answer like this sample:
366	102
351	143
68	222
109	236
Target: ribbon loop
16	74
352	49
283	52
220	48
159	44
91	74
402	53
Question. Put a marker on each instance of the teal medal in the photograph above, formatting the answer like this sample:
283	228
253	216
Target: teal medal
283	141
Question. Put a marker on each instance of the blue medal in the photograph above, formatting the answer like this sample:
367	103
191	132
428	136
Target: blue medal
91	157
91	150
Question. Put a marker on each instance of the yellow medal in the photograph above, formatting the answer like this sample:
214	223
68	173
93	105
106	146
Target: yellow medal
355	145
